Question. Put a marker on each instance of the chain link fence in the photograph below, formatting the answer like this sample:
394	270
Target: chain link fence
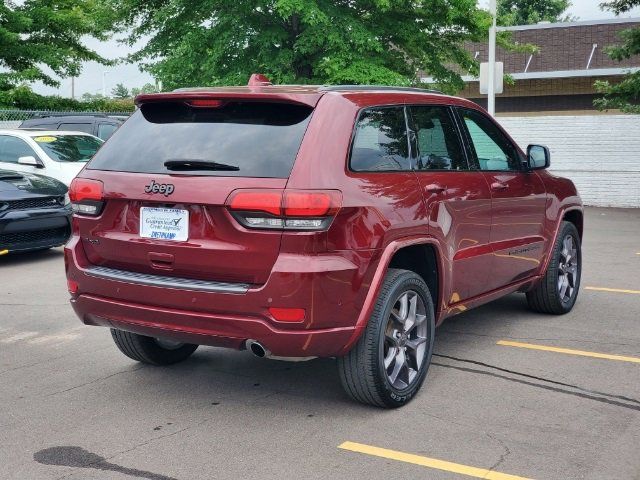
13	118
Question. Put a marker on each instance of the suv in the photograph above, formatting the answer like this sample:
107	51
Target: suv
101	126
298	221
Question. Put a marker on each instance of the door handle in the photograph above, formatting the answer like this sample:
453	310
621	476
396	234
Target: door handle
436	188
499	186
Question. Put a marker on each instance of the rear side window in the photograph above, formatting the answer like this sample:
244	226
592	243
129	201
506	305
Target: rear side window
436	139
105	130
248	139
76	127
380	141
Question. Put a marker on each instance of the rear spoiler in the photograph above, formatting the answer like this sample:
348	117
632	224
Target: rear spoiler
257	94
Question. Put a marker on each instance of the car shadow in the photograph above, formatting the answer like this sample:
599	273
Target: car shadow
24	258
215	376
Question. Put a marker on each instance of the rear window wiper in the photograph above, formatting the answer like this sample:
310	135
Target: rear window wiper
187	165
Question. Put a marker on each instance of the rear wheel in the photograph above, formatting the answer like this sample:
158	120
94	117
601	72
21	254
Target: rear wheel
390	361
558	290
154	351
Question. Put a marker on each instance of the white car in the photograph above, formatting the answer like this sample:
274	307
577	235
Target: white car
57	154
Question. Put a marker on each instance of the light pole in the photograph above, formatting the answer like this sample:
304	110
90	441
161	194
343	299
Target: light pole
491	100
104	84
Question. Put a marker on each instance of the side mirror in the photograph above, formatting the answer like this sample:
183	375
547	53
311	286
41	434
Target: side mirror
31	161
538	157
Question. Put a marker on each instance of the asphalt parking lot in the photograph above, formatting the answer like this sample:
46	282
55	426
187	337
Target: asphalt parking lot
510	394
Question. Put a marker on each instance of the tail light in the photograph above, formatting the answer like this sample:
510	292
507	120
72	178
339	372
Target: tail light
87	196
309	210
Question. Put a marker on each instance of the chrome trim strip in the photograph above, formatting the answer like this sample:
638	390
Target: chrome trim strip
166	282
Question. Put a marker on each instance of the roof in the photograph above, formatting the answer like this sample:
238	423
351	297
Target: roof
565	50
581	23
29	133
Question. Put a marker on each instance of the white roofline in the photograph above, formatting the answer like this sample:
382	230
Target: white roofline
596	72
584	23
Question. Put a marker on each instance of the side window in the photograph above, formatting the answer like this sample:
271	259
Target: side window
77	127
380	141
105	130
494	152
12	148
436	139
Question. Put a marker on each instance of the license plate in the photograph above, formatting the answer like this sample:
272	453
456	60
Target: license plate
164	223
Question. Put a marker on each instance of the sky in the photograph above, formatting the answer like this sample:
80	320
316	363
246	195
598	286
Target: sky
91	79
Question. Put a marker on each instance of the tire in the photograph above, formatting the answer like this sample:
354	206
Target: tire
549	296
367	371
151	350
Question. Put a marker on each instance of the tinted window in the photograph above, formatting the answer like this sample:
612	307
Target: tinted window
69	148
105	130
77	127
436	140
261	139
380	141
493	150
12	148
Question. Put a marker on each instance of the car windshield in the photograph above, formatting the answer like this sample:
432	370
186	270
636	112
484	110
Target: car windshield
69	148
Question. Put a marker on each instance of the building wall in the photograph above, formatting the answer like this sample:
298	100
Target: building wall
600	153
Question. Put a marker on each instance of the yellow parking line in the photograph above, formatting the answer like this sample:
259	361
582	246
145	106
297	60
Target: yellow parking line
428	462
569	351
614	290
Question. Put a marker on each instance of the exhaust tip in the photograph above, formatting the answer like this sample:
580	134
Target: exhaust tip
257	349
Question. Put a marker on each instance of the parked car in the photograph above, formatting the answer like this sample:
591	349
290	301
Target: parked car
35	213
344	221
100	126
60	155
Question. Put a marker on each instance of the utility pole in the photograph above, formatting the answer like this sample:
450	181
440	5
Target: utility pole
491	99
73	88
104	84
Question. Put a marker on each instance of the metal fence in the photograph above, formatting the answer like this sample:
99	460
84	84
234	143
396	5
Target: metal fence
13	118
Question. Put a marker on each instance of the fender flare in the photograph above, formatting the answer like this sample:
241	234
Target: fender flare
561	215
378	277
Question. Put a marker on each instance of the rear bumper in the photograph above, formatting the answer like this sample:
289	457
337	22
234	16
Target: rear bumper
331	288
23	230
230	331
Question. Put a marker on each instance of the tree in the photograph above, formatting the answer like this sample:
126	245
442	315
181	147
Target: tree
624	95
146	88
90	97
529	12
47	33
120	91
221	42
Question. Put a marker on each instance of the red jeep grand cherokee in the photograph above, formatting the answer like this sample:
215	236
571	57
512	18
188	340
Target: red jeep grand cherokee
297	221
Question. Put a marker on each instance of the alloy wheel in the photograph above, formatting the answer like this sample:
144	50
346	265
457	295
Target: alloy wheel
568	269
405	340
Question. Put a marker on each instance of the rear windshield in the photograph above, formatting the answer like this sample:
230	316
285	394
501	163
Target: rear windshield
244	139
69	148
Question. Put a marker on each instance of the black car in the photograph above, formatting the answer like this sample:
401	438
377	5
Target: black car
101	126
34	212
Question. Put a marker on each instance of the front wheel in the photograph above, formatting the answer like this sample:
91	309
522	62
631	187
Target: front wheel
154	351
389	362
558	290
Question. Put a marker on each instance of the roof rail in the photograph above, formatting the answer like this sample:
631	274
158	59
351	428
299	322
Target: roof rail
69	114
334	88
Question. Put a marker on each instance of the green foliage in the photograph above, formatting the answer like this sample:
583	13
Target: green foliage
41	37
120	91
529	12
625	95
22	97
146	88
221	42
